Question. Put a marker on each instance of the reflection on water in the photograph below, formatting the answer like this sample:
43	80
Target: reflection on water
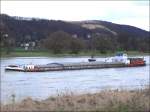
41	85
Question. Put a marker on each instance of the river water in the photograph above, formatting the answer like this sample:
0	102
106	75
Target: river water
40	85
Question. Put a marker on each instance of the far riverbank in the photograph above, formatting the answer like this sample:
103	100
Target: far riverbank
49	54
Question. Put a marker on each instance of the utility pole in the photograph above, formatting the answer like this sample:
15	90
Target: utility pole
6	43
91	48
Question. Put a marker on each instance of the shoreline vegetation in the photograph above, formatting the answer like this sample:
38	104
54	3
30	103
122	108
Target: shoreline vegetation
104	101
41	53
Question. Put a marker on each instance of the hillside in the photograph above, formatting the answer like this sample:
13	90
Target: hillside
117	28
24	30
19	27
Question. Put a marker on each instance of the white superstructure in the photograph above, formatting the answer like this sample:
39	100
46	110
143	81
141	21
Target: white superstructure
120	57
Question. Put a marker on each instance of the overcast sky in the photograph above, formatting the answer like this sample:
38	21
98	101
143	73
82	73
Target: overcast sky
135	13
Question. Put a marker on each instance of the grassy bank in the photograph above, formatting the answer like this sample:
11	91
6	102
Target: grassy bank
105	101
50	54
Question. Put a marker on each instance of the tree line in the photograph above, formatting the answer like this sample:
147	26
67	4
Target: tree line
60	42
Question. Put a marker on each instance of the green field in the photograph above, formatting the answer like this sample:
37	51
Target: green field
38	53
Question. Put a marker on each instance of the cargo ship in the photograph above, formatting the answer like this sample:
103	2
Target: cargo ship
120	60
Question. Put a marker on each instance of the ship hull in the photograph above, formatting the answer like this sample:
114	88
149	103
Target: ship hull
77	66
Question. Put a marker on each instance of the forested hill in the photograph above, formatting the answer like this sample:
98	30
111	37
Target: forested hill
34	29
19	28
